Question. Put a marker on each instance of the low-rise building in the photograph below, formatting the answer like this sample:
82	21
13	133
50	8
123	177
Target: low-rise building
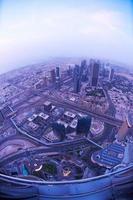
47	106
69	115
109	157
33	126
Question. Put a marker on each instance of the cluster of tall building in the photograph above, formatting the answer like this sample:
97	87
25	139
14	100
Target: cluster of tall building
82	73
86	72
108	72
80	126
52	79
79	75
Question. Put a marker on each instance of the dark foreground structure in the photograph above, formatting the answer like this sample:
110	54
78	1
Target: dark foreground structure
117	185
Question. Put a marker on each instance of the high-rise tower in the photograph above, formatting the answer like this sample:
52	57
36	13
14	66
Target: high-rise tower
94	73
77	79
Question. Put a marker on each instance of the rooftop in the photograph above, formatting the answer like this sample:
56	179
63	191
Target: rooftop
109	157
70	114
47	103
44	116
33	125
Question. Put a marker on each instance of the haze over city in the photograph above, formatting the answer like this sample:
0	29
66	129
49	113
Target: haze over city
32	31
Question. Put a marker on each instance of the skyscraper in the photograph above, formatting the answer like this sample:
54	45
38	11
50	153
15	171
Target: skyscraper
57	86
57	72
59	130
77	79
83	63
111	74
76	84
94	73
58	78
83	125
53	75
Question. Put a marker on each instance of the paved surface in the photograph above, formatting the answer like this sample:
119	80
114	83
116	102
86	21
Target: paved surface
12	146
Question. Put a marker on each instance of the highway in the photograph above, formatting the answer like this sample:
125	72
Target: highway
60	103
67	104
58	144
60	147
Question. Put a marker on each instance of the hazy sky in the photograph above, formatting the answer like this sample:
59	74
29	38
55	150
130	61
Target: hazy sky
32	30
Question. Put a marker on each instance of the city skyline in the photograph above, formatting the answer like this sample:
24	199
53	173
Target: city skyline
35	30
69	128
